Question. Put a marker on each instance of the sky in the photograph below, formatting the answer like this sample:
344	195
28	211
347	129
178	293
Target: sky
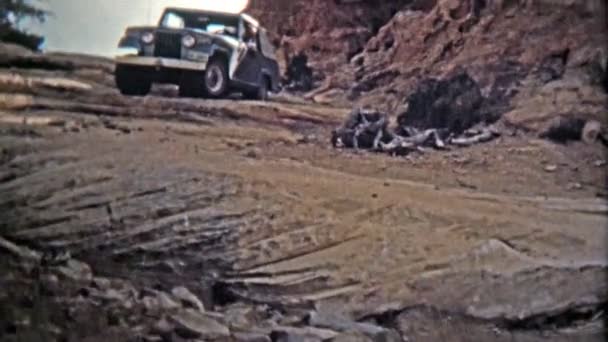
95	26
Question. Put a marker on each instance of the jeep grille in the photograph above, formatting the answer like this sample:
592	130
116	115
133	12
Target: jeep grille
168	45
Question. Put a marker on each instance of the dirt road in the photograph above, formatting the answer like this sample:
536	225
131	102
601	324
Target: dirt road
246	202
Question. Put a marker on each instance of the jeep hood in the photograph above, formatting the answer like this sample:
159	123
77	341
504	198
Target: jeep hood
228	40
138	29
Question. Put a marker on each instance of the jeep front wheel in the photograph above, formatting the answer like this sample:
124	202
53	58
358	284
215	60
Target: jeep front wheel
216	78
192	85
132	81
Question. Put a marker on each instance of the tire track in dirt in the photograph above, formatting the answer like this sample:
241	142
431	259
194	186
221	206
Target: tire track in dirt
145	216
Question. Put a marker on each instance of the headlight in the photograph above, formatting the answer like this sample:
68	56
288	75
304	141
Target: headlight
147	38
188	41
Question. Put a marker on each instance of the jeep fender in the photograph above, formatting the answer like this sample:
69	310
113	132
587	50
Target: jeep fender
223	53
130	42
132	35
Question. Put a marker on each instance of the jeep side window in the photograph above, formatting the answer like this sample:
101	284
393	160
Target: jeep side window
198	21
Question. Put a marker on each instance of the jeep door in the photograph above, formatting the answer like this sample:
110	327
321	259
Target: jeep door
259	62
249	68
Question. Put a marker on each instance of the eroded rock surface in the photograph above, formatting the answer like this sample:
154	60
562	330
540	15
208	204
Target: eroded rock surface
164	219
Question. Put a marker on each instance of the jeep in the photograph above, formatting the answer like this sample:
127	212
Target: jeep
207	54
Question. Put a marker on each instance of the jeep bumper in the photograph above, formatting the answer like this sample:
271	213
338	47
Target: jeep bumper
159	63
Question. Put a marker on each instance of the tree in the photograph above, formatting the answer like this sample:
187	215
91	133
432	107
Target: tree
12	12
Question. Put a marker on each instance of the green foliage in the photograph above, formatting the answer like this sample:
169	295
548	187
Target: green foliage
11	35
17	10
11	13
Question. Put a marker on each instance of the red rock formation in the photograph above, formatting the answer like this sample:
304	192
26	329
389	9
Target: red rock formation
361	52
330	32
498	44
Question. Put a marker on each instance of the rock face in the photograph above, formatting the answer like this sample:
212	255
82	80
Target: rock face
522	54
330	32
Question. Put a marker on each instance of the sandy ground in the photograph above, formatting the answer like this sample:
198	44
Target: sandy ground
508	234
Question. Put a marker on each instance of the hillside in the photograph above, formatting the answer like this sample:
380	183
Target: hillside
533	60
168	219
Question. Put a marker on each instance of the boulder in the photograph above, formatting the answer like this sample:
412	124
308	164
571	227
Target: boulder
19	251
191	324
157	303
352	337
591	131
376	333
187	298
453	104
560	109
76	270
302	334
291	336
251	337
240	316
163	328
165	302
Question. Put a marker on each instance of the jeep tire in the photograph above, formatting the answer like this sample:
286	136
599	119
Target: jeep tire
132	81
260	93
192	84
216	78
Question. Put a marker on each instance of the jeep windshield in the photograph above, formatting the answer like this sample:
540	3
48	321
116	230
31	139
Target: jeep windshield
202	21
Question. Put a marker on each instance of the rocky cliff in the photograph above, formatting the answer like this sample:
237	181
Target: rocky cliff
544	55
329	32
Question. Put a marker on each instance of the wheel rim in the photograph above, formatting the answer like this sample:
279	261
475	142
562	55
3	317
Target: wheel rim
214	79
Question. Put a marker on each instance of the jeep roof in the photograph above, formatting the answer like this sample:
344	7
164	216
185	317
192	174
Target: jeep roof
245	16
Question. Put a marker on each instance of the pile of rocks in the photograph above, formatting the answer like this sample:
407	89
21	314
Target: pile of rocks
58	298
438	114
368	129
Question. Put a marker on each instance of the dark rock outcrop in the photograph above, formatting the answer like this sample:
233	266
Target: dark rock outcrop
299	75
453	104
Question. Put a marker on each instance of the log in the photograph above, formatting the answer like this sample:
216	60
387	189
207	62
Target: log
485	136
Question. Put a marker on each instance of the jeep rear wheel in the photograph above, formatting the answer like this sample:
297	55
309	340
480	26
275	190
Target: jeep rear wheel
132	81
216	78
261	92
